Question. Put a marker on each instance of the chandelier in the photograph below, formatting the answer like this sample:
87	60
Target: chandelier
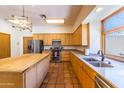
21	22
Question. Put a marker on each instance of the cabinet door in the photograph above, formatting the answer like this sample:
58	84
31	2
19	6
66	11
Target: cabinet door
70	39
85	34
65	55
49	39
41	36
31	77
42	69
4	45
81	75
63	39
35	36
89	77
88	82
66	39
77	36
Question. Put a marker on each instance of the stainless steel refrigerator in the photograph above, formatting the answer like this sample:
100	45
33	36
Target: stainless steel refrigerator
36	46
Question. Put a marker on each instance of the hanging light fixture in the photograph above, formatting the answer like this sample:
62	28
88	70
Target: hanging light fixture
21	22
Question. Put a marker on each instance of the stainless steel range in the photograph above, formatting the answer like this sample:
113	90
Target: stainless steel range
56	51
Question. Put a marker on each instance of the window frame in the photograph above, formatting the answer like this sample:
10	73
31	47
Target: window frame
104	33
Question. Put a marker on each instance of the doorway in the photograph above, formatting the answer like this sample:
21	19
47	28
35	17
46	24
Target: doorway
26	41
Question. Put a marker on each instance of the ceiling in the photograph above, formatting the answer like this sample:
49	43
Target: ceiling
68	12
107	10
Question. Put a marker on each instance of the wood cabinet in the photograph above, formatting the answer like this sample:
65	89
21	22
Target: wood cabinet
84	73
85	35
77	36
65	55
4	45
81	35
89	77
66	38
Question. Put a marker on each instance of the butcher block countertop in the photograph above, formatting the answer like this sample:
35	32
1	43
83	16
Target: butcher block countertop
21	63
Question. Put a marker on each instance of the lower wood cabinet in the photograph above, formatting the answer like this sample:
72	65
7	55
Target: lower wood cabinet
88	77
65	55
85	74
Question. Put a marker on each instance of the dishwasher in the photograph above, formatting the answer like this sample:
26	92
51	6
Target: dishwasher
100	83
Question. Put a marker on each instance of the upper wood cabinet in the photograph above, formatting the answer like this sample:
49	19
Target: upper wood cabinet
79	38
85	34
81	35
66	38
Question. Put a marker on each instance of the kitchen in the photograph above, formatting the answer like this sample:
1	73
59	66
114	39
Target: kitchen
78	52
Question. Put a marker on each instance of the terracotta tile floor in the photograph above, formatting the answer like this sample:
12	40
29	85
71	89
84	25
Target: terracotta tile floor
60	75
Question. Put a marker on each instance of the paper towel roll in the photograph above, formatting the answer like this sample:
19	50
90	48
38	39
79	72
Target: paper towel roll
86	51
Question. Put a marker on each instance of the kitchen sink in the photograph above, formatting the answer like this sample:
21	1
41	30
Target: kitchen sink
90	59
96	62
100	64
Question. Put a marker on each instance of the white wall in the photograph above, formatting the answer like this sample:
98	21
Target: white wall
95	26
16	37
52	29
95	36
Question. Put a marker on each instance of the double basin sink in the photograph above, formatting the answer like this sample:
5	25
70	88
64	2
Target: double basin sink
96	62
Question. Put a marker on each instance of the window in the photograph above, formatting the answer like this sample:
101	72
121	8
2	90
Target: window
113	33
114	22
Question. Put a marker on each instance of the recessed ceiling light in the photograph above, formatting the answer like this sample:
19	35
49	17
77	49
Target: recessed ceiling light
99	9
55	21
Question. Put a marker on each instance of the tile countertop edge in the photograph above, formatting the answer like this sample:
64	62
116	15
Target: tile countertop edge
80	55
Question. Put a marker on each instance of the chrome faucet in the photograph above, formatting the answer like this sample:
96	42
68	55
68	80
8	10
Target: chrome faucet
100	52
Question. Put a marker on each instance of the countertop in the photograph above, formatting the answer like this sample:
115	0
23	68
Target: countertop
20	63
114	75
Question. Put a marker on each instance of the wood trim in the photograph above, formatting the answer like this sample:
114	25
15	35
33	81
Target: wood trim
114	13
102	38
118	58
115	30
4	33
51	33
103	35
77	28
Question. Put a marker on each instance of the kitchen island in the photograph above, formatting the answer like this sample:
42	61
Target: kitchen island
25	71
